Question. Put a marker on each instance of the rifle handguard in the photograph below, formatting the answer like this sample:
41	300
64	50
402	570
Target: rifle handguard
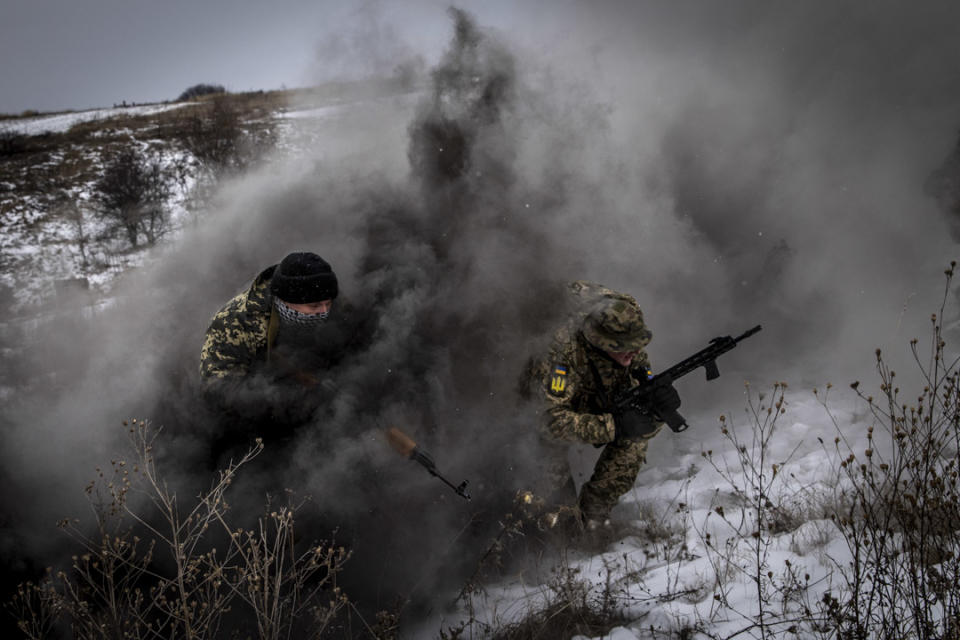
424	458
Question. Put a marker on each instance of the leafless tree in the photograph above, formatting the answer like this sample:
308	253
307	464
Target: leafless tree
133	193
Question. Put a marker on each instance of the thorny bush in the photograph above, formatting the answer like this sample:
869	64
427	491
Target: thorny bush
900	506
151	568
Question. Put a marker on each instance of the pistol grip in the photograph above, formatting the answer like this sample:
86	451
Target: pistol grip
713	371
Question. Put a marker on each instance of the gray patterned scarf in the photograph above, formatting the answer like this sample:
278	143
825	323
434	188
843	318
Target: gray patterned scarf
292	317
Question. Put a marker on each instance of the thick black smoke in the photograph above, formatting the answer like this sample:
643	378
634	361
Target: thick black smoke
460	279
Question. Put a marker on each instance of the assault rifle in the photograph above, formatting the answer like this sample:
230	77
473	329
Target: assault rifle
639	397
410	449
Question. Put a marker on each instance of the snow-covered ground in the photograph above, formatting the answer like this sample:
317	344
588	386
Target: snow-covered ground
61	122
687	559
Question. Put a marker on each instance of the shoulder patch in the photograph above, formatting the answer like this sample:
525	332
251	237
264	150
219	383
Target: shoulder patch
558	379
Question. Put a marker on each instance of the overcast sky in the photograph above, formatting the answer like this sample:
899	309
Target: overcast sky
76	54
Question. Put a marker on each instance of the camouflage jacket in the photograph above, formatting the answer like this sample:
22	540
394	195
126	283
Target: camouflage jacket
577	380
242	333
251	370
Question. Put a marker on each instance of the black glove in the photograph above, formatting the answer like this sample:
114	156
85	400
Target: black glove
664	399
632	424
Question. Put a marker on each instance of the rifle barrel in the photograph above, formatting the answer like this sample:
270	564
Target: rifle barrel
746	334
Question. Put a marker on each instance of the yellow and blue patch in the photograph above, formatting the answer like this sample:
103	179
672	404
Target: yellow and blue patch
558	380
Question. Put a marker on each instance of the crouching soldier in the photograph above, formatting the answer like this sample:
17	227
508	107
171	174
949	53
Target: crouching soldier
593	359
266	351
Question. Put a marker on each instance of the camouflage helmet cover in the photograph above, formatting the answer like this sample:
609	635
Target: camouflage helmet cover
617	326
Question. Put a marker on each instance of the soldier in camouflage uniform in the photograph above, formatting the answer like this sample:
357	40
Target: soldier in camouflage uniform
264	349
598	355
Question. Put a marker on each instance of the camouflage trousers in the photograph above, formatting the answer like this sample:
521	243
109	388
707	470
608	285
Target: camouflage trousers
613	475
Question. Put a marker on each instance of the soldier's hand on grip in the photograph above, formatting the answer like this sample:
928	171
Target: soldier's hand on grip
632	424
664	399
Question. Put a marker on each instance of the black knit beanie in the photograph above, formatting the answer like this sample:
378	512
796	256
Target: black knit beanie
304	277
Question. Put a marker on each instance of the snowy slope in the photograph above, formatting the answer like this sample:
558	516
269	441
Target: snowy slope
39	246
61	122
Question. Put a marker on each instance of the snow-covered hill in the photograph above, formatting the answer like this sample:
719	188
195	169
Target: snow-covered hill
63	122
47	200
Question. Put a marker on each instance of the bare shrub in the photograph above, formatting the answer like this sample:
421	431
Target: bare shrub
132	193
151	568
66	206
760	505
573	606
661	527
895	503
219	144
900	507
570	605
215	134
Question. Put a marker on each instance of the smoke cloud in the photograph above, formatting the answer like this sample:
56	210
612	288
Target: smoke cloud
728	165
367	45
